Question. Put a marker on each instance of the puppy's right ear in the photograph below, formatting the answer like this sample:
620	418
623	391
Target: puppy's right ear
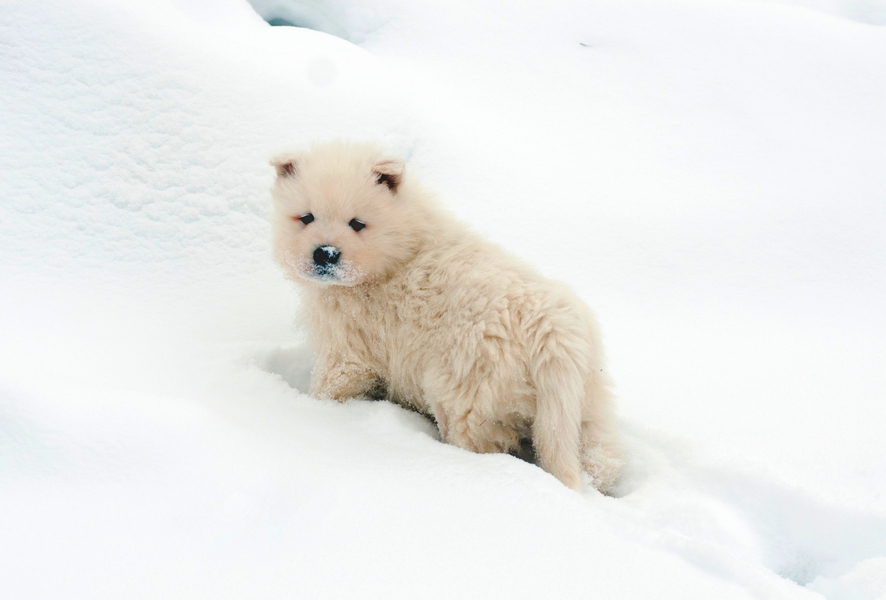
286	165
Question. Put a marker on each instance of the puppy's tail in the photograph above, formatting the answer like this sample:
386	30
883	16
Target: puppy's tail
557	372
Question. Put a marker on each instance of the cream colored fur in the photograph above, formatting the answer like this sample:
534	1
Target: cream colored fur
447	322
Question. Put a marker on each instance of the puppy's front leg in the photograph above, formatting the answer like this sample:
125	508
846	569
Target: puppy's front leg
338	377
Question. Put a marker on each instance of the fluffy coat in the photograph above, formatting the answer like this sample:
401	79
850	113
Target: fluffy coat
401	298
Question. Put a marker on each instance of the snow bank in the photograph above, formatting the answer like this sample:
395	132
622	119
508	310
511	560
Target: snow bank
865	11
714	170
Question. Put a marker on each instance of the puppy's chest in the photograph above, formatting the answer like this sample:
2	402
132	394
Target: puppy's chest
367	325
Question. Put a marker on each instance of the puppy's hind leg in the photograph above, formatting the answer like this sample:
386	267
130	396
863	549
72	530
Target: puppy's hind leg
556	429
601	448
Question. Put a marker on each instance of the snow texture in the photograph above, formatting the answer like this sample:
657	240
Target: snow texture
864	11
713	168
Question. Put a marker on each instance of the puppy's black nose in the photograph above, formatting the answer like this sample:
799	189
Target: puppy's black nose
325	256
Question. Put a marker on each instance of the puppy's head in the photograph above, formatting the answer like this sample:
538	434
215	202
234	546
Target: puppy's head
340	217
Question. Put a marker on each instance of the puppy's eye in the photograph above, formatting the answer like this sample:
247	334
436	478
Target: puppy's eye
306	218
356	224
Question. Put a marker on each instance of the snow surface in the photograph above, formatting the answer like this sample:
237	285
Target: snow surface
865	11
714	170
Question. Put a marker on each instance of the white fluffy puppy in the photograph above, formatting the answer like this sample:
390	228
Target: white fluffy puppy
400	297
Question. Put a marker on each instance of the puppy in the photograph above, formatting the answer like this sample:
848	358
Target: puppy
400	297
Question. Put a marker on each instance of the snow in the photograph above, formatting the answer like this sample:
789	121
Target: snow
864	11
713	170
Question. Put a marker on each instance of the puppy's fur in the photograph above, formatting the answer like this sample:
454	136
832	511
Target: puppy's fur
441	320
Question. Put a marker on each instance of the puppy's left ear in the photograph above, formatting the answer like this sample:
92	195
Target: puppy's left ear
390	173
286	164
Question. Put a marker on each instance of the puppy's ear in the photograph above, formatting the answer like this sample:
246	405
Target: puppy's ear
390	173
286	165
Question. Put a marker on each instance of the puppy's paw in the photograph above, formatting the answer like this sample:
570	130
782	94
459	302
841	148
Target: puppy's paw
483	435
